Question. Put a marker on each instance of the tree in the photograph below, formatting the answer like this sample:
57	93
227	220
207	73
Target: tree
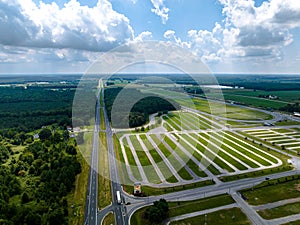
45	134
25	198
56	137
158	211
66	135
71	150
33	218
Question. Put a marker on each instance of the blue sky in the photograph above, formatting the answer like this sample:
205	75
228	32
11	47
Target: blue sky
230	36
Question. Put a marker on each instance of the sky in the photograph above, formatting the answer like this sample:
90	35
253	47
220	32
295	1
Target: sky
230	36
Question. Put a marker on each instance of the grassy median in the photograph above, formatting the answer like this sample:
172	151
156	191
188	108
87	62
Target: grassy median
104	187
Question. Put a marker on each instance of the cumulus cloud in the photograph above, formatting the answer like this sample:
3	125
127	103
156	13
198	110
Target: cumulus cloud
170	35
264	29
146	35
23	23
161	10
202	43
247	32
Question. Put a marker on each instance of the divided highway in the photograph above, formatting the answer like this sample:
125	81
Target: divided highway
118	209
91	208
92	215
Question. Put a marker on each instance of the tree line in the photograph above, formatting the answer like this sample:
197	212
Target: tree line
140	111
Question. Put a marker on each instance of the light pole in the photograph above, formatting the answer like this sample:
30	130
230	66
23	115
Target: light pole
205	219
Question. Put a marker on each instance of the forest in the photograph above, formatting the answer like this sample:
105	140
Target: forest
34	182
28	109
37	175
140	112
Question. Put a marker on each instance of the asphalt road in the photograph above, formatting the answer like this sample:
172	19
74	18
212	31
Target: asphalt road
91	209
118	209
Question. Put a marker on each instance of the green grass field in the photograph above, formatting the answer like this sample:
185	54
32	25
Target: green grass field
144	160
251	97
104	190
78	198
233	216
109	219
182	172
179	208
159	161
131	161
281	211
274	190
219	109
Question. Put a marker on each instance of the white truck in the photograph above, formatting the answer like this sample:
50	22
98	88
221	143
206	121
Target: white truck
119	197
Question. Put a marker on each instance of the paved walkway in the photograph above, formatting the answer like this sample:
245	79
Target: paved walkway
284	220
276	204
249	211
165	159
137	161
149	156
199	213
179	159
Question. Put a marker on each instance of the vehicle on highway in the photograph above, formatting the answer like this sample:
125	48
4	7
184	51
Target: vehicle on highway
119	197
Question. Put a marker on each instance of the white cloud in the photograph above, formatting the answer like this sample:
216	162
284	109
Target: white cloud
23	23
264	30
146	35
248	33
170	35
161	10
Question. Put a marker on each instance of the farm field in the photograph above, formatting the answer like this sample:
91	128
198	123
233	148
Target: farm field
189	148
211	107
254	97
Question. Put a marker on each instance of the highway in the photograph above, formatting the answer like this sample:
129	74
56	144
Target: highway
118	209
92	215
91	208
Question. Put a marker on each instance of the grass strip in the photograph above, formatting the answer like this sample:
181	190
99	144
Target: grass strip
144	160
179	207
104	187
182	172
281	211
233	216
131	160
273	190
159	161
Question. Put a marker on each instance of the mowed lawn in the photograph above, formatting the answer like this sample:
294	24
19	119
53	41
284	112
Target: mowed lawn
212	107
179	208
274	192
281	211
233	216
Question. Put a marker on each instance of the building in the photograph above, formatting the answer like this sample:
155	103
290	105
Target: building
137	188
76	129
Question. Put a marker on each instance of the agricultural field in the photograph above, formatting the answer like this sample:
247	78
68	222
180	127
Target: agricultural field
286	139
189	147
216	108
